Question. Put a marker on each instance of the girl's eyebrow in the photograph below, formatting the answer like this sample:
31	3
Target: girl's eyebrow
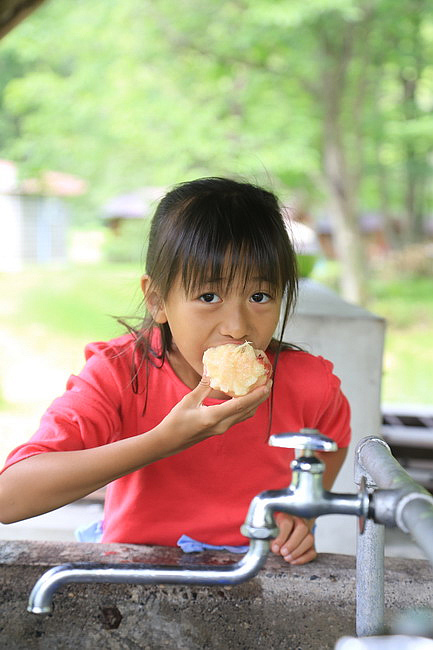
223	279
213	280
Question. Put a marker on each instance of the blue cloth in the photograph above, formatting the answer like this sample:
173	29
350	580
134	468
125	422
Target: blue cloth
89	533
189	545
93	533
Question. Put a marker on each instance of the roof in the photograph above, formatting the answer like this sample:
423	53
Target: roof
134	205
49	183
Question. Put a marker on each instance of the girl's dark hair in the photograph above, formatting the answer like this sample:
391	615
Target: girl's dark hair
219	228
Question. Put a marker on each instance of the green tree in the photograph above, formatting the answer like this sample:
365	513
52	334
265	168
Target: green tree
329	100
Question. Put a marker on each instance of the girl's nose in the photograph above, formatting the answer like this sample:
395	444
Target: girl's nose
235	324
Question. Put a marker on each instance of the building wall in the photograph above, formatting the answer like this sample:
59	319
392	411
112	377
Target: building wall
44	229
33	230
10	233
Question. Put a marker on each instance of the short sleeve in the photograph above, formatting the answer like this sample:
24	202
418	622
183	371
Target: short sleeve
334	413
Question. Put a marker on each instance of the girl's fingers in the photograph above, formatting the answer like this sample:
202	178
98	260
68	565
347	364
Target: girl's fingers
199	422
303	547
245	403
309	556
249	414
295	543
201	391
299	534
285	525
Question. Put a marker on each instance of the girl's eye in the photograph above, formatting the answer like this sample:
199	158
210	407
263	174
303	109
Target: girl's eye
209	298
260	297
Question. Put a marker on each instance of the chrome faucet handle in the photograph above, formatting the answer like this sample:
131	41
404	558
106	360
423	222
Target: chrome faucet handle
306	440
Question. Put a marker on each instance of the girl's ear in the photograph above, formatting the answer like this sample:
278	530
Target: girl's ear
154	302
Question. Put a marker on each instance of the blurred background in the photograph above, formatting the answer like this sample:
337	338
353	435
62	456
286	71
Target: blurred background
105	105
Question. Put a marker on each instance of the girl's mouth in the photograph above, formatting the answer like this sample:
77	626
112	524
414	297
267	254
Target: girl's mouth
231	342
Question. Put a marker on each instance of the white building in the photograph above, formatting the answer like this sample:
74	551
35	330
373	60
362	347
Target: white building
34	217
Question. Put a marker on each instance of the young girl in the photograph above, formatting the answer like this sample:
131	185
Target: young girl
180	458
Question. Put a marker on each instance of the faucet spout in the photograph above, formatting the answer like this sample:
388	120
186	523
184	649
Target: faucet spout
41	597
262	507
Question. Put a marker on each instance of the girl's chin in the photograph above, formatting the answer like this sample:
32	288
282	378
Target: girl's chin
185	371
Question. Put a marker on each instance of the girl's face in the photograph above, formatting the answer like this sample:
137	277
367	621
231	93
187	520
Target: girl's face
214	316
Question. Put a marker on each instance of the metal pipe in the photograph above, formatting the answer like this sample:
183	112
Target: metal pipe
412	510
417	517
400	502
41	597
370	564
376	461
370	598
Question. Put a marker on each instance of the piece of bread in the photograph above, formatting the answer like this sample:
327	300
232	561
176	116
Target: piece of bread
236	369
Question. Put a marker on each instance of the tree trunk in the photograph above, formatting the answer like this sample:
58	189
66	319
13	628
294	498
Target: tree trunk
341	179
347	235
415	160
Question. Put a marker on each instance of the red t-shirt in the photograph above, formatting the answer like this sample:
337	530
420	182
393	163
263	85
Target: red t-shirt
204	491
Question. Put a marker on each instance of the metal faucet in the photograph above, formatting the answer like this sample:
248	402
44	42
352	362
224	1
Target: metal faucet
305	497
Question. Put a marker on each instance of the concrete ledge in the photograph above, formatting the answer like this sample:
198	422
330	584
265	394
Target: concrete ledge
307	608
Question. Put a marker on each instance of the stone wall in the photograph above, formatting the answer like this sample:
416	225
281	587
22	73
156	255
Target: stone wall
305	608
353	339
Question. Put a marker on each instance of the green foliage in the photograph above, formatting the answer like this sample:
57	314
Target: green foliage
406	303
306	264
141	93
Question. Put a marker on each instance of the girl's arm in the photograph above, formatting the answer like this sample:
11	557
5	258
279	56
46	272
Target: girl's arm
49	480
333	461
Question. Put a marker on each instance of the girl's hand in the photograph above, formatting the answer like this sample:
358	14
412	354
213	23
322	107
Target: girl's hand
190	421
295	542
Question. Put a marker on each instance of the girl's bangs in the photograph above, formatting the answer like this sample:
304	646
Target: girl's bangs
230	263
220	237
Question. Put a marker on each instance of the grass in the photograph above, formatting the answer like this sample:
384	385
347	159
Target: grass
76	302
68	307
407	304
47	316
